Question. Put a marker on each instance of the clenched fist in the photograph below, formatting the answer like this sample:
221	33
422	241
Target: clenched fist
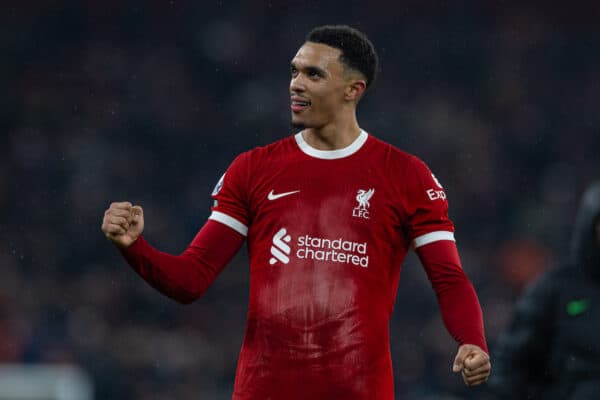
473	363
123	223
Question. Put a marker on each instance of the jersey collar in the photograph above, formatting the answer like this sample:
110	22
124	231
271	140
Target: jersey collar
332	154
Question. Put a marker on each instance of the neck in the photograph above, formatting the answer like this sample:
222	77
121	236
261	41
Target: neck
332	136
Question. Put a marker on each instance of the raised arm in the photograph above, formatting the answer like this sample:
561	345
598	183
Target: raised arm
183	277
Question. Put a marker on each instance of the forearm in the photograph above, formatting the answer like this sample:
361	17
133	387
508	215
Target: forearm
186	277
461	313
459	305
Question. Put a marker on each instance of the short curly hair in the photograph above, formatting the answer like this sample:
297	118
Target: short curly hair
358	53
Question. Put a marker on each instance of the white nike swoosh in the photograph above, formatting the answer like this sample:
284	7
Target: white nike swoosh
273	196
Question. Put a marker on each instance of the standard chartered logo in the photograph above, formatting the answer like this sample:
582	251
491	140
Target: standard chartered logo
317	248
280	249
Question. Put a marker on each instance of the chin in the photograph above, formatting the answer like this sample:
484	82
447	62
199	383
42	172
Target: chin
297	123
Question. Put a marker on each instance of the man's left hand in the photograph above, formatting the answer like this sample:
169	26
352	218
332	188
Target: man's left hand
473	363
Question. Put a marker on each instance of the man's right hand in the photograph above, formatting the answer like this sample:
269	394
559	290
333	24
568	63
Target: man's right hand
123	223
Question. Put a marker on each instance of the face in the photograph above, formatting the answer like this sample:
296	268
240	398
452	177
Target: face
318	86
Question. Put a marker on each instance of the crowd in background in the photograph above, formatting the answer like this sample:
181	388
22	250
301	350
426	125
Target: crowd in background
107	101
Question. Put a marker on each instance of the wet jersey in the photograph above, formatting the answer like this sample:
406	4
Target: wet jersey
327	232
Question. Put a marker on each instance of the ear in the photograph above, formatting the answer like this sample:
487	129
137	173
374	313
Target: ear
355	90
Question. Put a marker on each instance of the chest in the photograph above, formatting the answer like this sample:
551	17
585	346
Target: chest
328	199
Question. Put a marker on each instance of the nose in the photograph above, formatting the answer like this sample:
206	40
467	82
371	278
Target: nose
297	84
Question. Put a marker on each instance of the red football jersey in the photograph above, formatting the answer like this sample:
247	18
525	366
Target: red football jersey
327	232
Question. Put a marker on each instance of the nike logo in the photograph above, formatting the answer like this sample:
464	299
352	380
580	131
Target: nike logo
273	196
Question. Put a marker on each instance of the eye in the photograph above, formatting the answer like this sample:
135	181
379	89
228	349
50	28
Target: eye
293	71
314	73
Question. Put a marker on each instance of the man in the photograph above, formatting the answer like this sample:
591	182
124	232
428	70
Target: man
550	350
329	215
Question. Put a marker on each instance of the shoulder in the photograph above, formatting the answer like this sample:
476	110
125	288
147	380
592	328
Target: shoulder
256	156
278	149
395	158
394	154
409	168
408	173
254	164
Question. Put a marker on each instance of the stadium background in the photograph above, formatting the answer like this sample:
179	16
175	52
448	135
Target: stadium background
150	101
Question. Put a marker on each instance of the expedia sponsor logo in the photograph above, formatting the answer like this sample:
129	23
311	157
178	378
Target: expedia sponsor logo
328	250
436	194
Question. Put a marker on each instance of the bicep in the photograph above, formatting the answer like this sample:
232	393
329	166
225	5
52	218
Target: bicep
216	244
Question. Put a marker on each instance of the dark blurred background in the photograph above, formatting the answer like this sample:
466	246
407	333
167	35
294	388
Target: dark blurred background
150	102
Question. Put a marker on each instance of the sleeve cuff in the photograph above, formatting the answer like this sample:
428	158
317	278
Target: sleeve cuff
135	248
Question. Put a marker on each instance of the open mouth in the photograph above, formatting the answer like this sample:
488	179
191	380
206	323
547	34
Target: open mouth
299	104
